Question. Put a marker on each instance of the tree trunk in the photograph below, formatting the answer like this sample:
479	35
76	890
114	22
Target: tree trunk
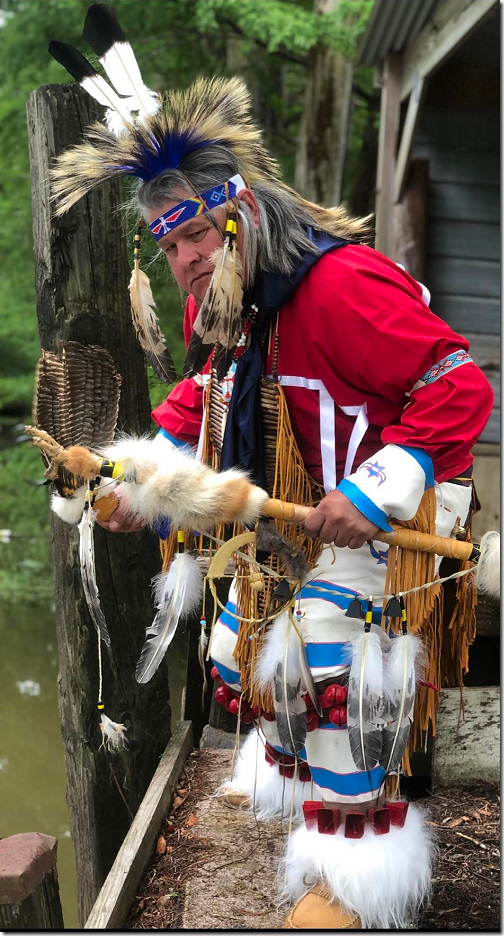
323	132
81	281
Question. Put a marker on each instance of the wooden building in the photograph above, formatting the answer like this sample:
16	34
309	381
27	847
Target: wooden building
438	192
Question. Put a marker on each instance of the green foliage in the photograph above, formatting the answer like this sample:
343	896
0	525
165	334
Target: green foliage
269	42
25	562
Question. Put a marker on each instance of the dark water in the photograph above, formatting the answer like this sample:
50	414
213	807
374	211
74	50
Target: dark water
32	766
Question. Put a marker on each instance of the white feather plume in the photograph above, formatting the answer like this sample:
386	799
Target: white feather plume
147	327
403	667
365	701
488	567
177	593
88	574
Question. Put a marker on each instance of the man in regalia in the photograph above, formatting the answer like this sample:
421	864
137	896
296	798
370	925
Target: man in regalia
378	404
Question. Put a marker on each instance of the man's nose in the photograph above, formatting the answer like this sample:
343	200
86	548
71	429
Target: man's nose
188	254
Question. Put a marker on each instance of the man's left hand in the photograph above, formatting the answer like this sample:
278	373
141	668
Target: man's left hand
336	520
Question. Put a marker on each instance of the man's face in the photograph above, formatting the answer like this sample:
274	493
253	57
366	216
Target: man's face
188	247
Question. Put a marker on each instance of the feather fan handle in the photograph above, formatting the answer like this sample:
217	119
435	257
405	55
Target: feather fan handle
88	571
146	326
365	701
105	36
178	592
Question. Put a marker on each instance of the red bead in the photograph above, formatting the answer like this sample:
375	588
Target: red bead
214	673
233	706
336	694
312	721
268	716
308	702
247	717
223	695
338	715
256	710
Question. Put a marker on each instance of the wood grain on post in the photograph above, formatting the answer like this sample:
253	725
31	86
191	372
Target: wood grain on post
29	892
81	279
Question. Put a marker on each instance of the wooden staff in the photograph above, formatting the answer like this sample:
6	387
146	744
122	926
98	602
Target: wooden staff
408	539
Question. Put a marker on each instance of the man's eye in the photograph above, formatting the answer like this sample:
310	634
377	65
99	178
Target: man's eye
198	235
169	249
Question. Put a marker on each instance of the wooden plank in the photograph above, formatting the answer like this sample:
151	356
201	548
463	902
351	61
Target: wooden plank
472	129
485	351
454	276
403	158
387	148
461	166
464	202
114	900
487	476
469	751
464	313
410	220
492	430
451	23
487	617
472	240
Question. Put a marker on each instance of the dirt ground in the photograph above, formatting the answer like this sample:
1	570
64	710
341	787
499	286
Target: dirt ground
196	879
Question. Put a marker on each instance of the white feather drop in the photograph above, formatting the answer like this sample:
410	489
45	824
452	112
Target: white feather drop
488	567
146	324
88	574
177	593
69	509
272	652
404	665
113	734
365	700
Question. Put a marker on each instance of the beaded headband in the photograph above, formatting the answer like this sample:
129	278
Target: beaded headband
196	205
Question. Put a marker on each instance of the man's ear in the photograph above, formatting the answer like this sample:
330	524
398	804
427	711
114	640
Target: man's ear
247	196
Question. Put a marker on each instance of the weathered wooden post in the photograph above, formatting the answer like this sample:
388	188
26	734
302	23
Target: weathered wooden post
29	892
81	280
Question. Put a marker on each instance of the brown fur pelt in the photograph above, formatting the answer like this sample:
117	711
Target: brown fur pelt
171	484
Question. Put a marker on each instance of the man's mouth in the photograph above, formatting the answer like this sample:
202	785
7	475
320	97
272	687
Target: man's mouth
200	276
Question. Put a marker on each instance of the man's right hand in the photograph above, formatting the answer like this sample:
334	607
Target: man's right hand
121	521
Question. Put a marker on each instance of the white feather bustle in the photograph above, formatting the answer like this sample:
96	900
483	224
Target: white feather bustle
381	878
488	568
393	671
192	575
69	509
272	652
270	794
174	484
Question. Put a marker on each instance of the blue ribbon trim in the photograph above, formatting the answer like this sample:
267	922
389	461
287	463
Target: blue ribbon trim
179	443
227	620
328	654
425	462
228	675
364	504
348	784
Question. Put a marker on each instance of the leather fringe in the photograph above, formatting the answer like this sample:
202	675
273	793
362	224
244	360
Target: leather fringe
288	480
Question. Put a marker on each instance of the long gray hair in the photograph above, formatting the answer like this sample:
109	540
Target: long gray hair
281	239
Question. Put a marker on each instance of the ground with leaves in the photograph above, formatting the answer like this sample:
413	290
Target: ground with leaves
198	877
